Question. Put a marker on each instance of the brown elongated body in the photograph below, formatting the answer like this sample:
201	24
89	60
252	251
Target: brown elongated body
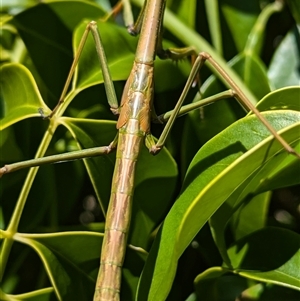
133	124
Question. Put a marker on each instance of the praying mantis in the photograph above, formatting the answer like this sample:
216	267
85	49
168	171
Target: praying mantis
109	283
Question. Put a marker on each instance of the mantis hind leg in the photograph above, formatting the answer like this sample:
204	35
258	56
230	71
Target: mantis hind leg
234	89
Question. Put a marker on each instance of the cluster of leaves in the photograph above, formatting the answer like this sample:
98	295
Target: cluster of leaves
215	242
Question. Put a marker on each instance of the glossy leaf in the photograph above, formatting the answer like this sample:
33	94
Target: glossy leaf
284	67
155	178
92	133
252	215
210	181
68	280
253	72
214	282
274	260
20	95
229	193
46	30
71	13
284	98
234	13
255	38
112	36
120	47
220	219
198	127
68	264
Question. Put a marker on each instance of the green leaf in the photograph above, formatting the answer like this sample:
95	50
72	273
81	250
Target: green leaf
162	70
20	95
189	37
212	285
275	179
72	12
91	133
192	297
186	12
278	293
243	14
45	294
255	37
71	269
252	215
119	47
281	99
9	147
254	73
17	4
284	67
155	176
295	9
156	179
46	30
237	158
34	213
270	255
200	127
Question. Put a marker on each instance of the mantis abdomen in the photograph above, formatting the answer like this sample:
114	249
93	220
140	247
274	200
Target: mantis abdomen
133	125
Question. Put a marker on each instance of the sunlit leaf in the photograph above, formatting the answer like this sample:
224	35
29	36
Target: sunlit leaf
284	67
218	172
19	95
284	98
45	294
72	269
46	30
68	266
274	260
155	176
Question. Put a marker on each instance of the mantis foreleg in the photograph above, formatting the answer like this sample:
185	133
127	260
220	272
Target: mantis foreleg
108	84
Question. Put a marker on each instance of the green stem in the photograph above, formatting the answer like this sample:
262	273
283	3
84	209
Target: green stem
16	216
253	45
59	158
213	18
254	42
